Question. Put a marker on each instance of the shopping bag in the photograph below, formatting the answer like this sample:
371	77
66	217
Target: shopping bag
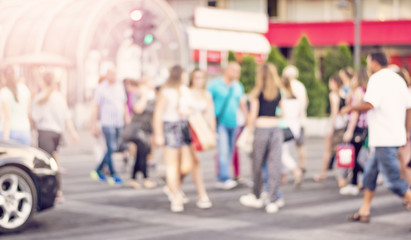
345	156
203	138
245	140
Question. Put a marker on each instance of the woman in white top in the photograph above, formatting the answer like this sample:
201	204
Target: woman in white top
202	103
15	102
171	131
51	115
292	117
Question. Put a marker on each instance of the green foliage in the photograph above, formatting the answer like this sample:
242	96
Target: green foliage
304	60
231	57
275	57
363	61
344	56
248	72
334	62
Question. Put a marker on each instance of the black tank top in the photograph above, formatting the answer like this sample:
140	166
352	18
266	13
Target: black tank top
268	108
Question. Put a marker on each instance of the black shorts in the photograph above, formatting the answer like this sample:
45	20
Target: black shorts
177	134
49	141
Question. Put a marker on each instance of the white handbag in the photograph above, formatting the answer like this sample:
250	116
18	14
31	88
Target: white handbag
246	139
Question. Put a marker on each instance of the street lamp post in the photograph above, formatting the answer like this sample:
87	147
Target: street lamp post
357	32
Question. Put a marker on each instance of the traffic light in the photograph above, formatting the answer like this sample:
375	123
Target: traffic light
142	24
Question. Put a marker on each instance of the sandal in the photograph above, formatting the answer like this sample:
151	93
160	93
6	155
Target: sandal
319	178
134	184
356	217
407	205
148	184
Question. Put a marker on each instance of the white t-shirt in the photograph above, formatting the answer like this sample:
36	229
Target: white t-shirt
300	93
178	103
388	94
52	115
19	116
292	115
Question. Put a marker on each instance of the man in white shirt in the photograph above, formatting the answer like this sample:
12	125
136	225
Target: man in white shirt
300	92
388	103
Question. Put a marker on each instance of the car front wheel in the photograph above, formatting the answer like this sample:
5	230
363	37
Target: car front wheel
18	199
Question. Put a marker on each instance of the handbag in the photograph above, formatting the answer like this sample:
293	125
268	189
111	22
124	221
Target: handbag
202	136
359	135
288	134
245	140
345	156
133	131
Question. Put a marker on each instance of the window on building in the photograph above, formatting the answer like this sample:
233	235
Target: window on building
212	3
272	8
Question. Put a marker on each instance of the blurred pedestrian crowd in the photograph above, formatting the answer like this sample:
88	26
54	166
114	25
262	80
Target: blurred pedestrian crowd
370	122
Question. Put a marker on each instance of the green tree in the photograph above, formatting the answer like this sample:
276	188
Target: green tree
330	65
248	72
231	57
344	56
304	60
275	57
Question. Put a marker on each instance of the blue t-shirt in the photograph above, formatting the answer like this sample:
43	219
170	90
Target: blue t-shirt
219	91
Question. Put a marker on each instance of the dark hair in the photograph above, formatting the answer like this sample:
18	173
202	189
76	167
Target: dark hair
380	58
287	87
349	72
48	79
337	79
174	80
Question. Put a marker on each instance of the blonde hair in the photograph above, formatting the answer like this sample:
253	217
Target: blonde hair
267	82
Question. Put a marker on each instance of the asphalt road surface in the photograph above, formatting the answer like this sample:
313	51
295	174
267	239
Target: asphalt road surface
94	210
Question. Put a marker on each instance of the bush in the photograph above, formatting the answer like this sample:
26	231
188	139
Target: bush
334	62
329	65
248	72
344	56
304	60
275	57
231	57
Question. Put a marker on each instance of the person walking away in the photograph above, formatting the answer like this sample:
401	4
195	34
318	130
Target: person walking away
171	130
110	108
51	116
292	110
337	125
388	103
143	104
227	93
268	137
357	129
300	93
15	104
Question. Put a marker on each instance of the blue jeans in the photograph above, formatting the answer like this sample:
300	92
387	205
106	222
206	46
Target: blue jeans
111	134
226	144
384	159
23	137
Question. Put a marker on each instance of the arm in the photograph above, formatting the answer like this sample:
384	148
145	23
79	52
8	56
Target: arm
127	117
362	107
94	120
141	104
334	103
157	120
252	115
6	122
243	106
72	130
210	114
357	98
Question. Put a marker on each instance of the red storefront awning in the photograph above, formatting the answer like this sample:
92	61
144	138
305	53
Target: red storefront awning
333	33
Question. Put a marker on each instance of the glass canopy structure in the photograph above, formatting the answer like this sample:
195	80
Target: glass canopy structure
79	38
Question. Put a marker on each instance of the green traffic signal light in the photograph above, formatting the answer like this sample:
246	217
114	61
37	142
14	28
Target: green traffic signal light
148	39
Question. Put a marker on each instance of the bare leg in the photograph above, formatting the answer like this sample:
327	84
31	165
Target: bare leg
198	176
365	208
326	158
302	153
404	155
186	161
173	173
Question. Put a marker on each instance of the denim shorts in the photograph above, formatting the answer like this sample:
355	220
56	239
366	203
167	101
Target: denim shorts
384	160
177	134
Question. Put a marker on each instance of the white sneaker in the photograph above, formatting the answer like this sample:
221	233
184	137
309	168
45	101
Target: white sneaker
227	185
350	190
250	200
271	208
204	203
280	202
167	192
177	206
